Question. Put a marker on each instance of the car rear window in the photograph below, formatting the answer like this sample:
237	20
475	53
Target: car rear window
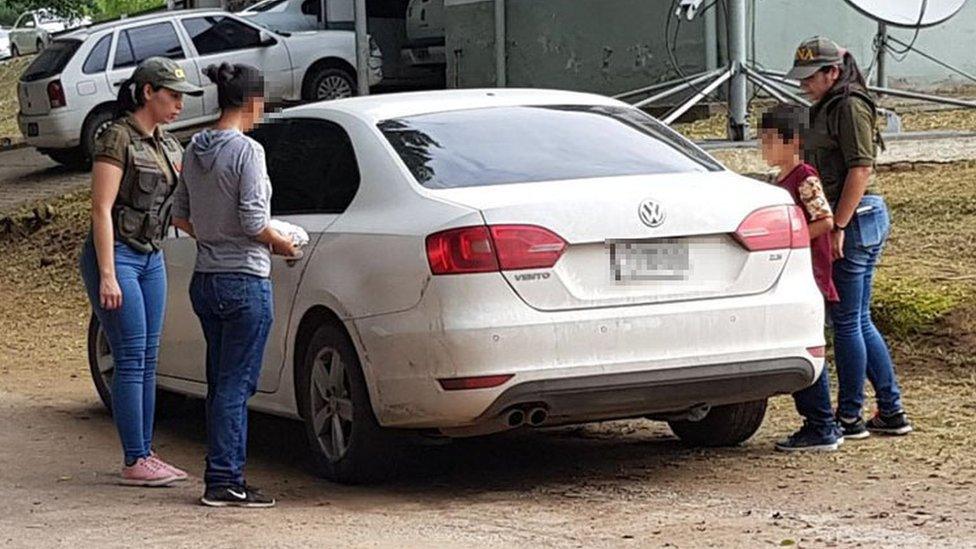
51	60
501	145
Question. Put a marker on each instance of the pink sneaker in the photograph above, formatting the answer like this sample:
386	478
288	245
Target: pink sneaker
146	472
180	473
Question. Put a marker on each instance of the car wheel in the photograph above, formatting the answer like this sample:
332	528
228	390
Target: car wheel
14	52
39	45
100	362
96	124
330	83
727	425
73	158
347	443
102	369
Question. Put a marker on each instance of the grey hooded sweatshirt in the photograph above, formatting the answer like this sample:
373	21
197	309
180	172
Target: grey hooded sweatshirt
225	192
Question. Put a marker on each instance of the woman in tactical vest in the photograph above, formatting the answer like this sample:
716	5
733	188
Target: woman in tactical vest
135	170
842	145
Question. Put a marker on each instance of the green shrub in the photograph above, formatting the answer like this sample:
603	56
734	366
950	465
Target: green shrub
903	306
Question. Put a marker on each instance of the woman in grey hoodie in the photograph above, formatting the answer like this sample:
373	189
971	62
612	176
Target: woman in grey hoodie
223	200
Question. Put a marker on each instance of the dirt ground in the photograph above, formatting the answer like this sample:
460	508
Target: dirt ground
615	484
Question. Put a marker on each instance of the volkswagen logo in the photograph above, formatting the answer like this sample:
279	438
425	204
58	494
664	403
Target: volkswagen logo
651	213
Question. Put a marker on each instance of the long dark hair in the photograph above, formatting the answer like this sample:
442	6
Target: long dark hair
851	78
131	97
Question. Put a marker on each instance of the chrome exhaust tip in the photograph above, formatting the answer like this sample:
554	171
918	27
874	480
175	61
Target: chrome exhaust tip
515	418
538	416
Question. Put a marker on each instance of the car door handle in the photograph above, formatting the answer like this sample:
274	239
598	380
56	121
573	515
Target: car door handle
118	83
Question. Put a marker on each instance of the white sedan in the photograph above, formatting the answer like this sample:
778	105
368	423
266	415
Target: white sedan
484	260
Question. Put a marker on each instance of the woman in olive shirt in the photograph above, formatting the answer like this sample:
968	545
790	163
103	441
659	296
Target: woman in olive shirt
841	144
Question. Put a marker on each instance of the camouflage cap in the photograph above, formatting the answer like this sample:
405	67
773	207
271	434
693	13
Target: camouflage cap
162	72
813	54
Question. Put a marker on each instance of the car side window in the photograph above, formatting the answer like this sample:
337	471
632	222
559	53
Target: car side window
312	7
98	57
312	165
26	21
140	43
215	34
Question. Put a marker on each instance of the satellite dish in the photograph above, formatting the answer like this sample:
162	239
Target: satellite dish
908	13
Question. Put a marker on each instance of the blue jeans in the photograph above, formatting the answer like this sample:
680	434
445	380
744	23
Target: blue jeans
859	348
133	335
235	312
813	403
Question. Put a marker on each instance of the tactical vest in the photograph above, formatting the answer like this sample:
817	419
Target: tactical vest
823	148
143	208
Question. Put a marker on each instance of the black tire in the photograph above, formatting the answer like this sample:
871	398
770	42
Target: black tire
73	158
727	425
329	83
364	453
99	362
93	127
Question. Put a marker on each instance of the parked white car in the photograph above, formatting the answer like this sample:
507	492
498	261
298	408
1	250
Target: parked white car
4	43
67	95
33	30
483	260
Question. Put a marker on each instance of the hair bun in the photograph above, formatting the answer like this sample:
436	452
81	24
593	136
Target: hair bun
220	74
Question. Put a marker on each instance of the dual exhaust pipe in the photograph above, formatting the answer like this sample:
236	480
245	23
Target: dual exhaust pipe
533	417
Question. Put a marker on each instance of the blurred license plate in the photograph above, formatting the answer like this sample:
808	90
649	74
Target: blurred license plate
635	261
32	129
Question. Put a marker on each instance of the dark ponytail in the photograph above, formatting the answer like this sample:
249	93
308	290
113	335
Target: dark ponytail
130	97
235	84
851	77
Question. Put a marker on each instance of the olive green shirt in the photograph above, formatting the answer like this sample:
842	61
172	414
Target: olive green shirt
113	145
842	136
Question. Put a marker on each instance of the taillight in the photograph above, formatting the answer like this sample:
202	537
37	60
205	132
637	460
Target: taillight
817	352
526	247
459	251
485	249
55	94
774	228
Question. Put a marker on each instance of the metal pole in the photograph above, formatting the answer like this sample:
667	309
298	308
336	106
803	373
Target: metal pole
777	76
711	39
662	85
501	70
673	115
882	40
738	123
943	64
362	49
766	84
679	88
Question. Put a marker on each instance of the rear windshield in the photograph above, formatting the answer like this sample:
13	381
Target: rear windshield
496	146
51	60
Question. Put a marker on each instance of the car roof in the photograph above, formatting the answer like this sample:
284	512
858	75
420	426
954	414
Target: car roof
85	31
376	108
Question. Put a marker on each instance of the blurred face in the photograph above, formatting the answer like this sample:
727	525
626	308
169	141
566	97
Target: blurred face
163	104
817	85
776	151
253	112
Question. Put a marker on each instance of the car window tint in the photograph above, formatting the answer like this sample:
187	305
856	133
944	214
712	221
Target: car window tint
312	7
494	146
312	166
52	60
98	57
26	22
215	34
140	43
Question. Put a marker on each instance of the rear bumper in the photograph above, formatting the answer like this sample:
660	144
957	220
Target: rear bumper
589	364
594	398
55	130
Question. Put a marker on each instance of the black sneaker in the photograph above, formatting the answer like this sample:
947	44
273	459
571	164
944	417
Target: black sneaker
810	439
236	496
853	429
895	424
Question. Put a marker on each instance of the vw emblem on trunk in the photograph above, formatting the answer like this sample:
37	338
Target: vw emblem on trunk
651	213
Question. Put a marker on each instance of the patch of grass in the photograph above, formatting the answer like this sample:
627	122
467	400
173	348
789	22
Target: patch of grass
907	306
10	72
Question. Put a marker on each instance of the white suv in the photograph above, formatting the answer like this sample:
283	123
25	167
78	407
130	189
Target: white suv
67	95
